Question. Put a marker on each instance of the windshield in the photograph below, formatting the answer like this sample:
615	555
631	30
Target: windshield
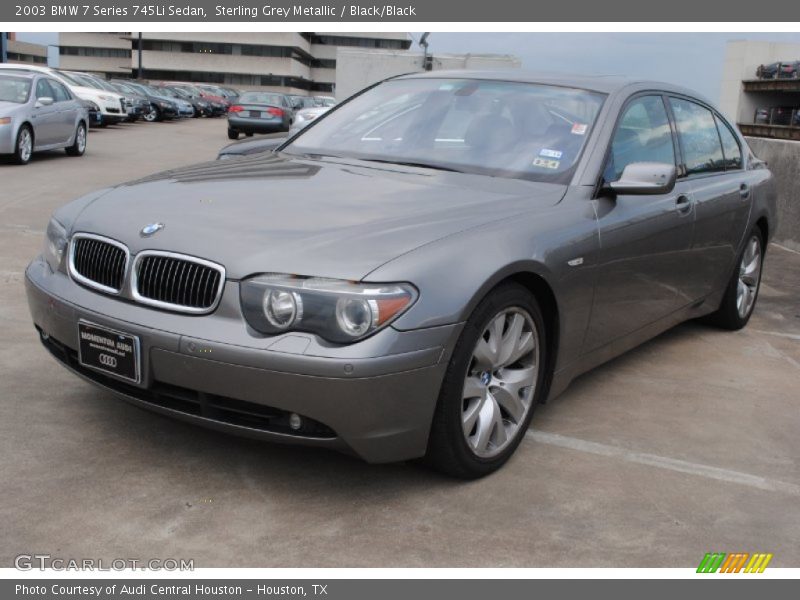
70	79
14	89
260	98
497	128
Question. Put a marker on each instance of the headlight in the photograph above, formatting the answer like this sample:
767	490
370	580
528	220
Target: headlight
55	245
93	106
163	104
336	310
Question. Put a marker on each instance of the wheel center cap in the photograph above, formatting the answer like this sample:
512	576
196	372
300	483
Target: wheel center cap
486	377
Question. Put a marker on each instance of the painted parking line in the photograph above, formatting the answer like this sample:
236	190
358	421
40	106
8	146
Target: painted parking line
661	462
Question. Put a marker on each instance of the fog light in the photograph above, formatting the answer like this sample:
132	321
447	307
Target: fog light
45	335
295	421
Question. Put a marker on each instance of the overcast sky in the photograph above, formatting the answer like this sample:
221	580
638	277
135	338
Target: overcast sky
690	59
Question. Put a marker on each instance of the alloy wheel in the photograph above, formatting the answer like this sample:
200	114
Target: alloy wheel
500	382
25	145
749	277
81	139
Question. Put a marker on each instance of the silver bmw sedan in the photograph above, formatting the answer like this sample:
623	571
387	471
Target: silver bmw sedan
416	270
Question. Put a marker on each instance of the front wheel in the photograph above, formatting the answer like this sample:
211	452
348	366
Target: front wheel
742	291
24	146
494	379
78	147
152	114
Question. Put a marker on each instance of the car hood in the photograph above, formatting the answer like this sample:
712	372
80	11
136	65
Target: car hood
9	107
266	213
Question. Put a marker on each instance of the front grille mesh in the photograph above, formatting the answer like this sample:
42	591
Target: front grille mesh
100	262
177	281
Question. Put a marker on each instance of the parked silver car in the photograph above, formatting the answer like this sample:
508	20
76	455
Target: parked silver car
305	116
410	276
39	113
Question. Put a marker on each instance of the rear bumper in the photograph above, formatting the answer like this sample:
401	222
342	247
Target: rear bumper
377	406
248	125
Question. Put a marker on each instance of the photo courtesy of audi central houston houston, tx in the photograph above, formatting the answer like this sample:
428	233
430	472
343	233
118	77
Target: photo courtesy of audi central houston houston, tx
415	270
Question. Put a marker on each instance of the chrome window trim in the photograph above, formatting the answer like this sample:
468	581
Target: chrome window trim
75	276
168	305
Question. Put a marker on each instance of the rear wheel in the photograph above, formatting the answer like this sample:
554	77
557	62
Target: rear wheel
742	291
24	146
249	134
78	147
233	134
493	381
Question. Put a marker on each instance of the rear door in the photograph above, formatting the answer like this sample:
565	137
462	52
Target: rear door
67	108
645	239
713	167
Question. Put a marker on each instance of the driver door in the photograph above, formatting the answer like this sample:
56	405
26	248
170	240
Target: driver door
644	239
44	117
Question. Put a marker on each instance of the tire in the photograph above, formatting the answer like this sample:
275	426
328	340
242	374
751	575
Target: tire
153	114
78	147
23	148
233	134
736	309
249	134
459	445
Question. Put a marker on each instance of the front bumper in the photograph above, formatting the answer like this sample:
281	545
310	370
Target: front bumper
375	398
8	138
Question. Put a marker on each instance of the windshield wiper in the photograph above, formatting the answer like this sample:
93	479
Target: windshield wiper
423	165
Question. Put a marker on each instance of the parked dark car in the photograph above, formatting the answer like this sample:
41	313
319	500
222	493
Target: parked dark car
778	115
779	70
160	107
259	112
140	101
202	107
93	111
218	105
410	276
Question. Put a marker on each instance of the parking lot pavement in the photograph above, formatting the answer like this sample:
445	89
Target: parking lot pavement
686	445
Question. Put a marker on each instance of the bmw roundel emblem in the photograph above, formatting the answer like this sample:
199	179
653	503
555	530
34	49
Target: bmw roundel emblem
151	228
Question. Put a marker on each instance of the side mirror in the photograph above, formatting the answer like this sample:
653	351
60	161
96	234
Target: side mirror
44	101
645	178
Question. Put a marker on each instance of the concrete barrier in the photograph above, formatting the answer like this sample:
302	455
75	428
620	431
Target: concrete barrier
783	158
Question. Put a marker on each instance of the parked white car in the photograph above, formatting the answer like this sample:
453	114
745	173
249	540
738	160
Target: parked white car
112	105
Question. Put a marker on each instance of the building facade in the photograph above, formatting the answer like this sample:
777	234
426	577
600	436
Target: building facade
297	63
25	52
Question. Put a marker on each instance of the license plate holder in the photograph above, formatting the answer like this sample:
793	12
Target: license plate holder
109	351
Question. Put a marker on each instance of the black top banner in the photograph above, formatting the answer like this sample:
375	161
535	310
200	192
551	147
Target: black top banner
410	11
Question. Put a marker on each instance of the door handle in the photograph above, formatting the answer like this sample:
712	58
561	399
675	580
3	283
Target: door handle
744	190
683	204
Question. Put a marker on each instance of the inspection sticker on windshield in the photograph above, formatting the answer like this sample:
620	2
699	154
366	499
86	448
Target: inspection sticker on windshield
550	153
545	163
579	128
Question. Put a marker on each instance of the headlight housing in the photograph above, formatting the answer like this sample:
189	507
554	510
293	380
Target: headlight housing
337	310
55	245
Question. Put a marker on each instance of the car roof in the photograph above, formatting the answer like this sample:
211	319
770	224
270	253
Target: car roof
21	73
606	84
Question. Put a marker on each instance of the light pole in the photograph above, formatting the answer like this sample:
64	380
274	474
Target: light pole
427	61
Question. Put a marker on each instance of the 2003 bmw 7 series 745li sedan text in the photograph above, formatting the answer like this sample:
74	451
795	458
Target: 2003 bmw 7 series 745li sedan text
418	268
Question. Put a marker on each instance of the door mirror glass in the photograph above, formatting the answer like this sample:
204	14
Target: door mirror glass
645	178
44	101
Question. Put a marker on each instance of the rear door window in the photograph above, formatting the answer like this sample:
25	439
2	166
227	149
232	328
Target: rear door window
700	142
731	150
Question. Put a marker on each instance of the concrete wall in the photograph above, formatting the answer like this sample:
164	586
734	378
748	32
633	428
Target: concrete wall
783	158
742	58
357	69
